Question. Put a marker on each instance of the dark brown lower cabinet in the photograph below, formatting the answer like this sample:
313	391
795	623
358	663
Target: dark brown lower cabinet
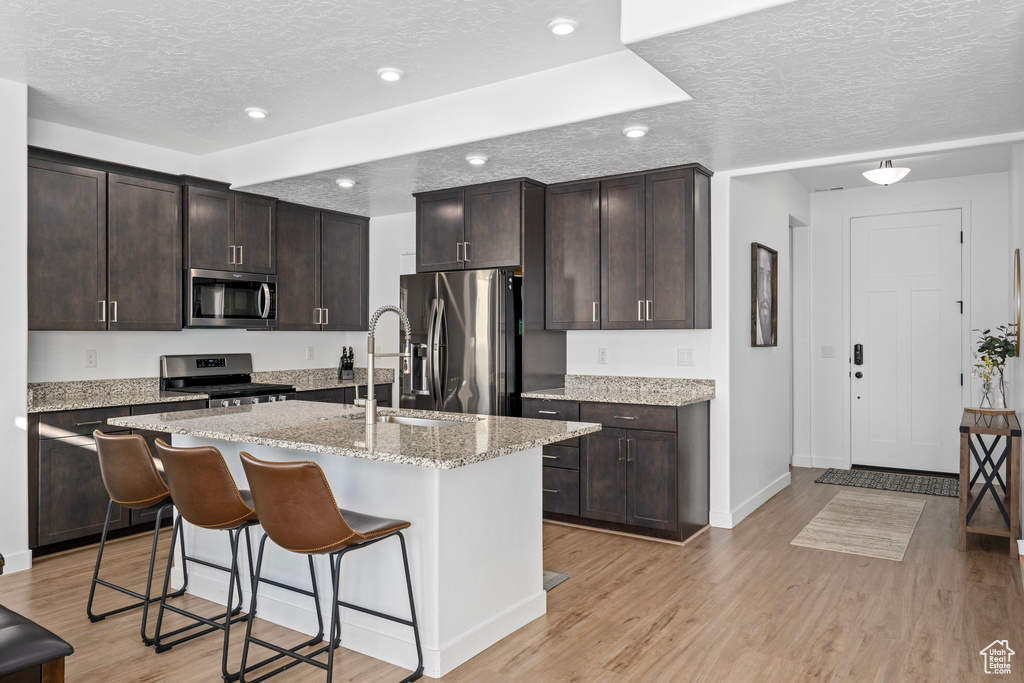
72	501
382	392
651	479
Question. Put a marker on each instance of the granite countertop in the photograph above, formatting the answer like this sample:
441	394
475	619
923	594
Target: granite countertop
336	429
317	379
646	391
45	397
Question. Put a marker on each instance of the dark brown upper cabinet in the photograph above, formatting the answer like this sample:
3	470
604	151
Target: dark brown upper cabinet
104	250
323	270
655	251
67	247
474	227
573	264
144	258
227	230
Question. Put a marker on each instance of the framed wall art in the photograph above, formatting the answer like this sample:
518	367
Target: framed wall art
764	295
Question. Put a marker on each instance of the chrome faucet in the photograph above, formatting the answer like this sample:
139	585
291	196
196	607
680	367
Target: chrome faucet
371	400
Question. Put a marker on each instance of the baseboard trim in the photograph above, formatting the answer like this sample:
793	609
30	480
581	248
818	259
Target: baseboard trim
803	461
17	562
729	520
837	463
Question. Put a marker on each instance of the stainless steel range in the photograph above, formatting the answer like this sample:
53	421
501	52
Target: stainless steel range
227	378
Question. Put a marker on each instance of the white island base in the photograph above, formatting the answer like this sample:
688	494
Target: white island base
475	553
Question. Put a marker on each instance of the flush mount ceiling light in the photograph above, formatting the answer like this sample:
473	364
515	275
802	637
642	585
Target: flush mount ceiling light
634	131
389	74
562	27
477	159
256	112
886	174
345	183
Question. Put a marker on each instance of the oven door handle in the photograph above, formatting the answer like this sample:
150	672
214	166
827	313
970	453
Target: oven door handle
264	300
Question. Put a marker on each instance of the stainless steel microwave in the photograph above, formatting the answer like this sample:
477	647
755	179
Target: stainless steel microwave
216	298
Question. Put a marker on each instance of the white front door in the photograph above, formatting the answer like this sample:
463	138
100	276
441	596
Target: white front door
905	292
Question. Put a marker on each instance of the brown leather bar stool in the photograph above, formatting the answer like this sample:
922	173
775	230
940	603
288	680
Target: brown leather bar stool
133	481
205	496
299	513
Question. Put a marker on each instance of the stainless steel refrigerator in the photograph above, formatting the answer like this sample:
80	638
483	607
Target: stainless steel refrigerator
466	342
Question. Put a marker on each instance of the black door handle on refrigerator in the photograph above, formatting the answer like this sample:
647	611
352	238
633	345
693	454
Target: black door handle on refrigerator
858	354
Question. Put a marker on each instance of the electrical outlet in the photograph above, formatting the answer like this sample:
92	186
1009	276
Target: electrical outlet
602	356
684	356
90	358
309	353
828	351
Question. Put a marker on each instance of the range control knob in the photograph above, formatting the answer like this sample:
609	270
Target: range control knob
255	399
225	404
282	398
273	399
237	402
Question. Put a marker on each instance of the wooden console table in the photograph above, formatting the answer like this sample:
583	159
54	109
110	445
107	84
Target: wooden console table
990	497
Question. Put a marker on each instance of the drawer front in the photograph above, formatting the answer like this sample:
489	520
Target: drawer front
80	422
625	416
173	407
565	457
561	491
324	396
567	411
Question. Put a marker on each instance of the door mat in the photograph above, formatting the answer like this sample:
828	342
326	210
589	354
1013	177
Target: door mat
887	481
869	524
552	579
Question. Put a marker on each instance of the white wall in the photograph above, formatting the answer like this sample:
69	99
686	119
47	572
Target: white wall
761	441
985	284
13	338
1015	186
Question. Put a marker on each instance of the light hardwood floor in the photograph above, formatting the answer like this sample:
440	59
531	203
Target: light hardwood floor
740	605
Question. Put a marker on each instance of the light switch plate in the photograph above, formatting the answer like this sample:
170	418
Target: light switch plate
828	351
684	357
602	356
90	358
309	353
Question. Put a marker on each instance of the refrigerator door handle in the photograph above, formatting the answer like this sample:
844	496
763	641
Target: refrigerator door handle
431	343
441	373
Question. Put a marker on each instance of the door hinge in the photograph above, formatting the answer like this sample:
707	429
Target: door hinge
961	379
961	237
961	307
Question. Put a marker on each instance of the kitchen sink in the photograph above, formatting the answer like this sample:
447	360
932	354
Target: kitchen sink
415	421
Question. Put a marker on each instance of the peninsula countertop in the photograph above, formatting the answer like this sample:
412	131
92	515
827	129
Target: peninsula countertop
647	391
332	428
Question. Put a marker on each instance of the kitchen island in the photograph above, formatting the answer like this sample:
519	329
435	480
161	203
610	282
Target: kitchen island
470	485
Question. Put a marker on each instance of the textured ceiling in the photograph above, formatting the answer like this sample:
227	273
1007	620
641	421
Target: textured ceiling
812	79
179	74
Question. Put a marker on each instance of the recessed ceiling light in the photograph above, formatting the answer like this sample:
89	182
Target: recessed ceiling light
389	74
345	183
477	159
256	112
634	131
562	27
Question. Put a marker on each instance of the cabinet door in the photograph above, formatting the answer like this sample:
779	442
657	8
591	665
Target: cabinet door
573	258
298	268
144	254
210	232
603	476
440	231
255	220
345	258
148	515
67	247
323	395
72	499
651	480
623	255
670	249
494	226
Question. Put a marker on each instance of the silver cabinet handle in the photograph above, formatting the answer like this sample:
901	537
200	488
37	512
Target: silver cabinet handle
620	451
593	317
232	247
550	457
327	316
90	422
650	312
113	311
458	254
550	490
241	257
465	251
319	316
639	310
102	307
548	412
623	417
629	450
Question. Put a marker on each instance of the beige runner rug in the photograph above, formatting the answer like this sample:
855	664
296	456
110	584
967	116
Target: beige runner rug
870	524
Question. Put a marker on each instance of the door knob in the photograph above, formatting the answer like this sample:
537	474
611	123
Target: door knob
858	374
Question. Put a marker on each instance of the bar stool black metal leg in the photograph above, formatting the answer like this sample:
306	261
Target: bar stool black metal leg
152	565
234	537
418	673
96	571
335	612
